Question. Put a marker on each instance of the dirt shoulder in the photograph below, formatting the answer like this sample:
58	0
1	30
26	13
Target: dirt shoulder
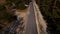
24	14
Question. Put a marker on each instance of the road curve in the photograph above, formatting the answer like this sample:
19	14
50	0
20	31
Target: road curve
31	24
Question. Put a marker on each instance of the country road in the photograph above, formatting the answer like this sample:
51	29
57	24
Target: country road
31	24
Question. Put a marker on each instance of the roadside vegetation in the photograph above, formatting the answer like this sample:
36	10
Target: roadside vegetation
51	12
18	4
6	17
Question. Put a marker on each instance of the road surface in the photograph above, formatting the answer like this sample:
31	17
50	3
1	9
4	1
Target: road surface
31	24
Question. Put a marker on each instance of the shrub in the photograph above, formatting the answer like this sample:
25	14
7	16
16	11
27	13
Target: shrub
21	6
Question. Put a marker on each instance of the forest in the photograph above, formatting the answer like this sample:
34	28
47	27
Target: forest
7	16
50	9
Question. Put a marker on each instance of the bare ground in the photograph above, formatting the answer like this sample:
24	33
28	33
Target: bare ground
24	13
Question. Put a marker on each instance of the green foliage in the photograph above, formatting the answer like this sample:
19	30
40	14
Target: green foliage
2	8
58	12
27	1
21	6
51	10
12	1
4	14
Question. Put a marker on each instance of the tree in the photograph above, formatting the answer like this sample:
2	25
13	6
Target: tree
50	9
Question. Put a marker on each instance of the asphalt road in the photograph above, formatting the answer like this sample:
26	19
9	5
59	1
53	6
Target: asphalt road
31	24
